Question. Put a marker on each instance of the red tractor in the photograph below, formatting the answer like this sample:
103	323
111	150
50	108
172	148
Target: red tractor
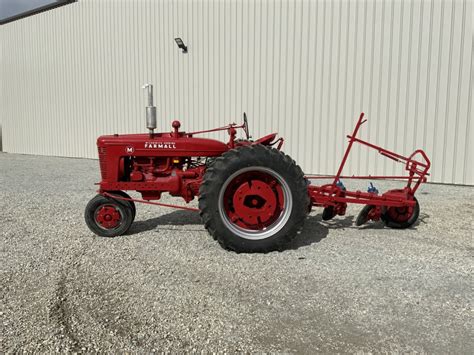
252	196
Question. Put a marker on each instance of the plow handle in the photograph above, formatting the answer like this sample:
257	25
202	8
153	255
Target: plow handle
360	122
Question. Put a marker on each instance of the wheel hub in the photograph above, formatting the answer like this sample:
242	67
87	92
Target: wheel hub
400	214
254	202
108	217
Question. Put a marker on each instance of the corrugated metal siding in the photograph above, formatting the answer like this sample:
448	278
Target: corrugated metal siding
302	68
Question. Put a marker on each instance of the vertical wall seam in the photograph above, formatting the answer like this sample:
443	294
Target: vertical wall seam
389	81
428	69
337	118
300	79
448	91
407	90
362	78
379	96
329	70
371	80
469	119
354	75
399	74
458	96
320	116
314	85
353	112
437	89
418	71
346	68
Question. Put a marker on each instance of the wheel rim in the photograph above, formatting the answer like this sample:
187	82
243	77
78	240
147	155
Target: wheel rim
255	203
400	214
108	217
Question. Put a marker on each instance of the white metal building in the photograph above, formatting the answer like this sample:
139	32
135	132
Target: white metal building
303	68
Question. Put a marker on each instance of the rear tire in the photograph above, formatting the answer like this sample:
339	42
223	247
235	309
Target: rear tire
108	217
253	199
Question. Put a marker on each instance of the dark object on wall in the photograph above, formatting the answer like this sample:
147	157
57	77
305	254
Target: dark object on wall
181	44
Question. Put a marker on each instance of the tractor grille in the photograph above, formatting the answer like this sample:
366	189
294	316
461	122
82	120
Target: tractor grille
103	162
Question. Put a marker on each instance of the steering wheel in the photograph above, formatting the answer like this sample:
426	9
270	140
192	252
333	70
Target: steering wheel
246	126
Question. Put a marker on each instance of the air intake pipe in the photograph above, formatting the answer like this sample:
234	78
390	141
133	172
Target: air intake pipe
150	110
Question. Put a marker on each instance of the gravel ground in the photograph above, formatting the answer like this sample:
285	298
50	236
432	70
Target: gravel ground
168	286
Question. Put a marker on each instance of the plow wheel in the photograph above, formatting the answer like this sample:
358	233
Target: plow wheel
108	217
328	213
363	215
401	217
253	199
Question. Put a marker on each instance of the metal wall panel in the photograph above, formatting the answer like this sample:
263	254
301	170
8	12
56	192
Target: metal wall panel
302	68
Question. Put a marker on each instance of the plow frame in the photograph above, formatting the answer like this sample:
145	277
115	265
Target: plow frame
335	194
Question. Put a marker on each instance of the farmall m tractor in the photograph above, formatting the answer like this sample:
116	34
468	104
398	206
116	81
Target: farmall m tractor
252	196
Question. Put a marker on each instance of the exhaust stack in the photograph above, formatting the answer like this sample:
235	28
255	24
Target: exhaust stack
150	110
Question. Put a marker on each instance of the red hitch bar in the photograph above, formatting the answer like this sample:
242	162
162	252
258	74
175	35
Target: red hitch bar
117	197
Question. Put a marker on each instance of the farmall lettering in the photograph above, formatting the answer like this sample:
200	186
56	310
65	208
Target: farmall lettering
160	145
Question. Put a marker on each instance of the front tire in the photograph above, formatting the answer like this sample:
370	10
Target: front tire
253	199
130	203
108	217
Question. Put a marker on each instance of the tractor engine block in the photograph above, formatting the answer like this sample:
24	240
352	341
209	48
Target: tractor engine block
180	176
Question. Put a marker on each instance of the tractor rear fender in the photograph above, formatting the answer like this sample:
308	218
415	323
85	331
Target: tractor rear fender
266	140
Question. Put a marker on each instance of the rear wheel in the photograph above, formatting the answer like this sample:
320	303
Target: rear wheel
108	217
401	217
253	199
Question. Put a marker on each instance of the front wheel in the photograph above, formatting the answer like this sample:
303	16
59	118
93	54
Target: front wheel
108	217
129	201
253	199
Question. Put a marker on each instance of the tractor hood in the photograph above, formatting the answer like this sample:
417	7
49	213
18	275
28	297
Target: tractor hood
161	144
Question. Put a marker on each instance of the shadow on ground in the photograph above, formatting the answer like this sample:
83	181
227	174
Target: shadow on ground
422	219
314	230
175	218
